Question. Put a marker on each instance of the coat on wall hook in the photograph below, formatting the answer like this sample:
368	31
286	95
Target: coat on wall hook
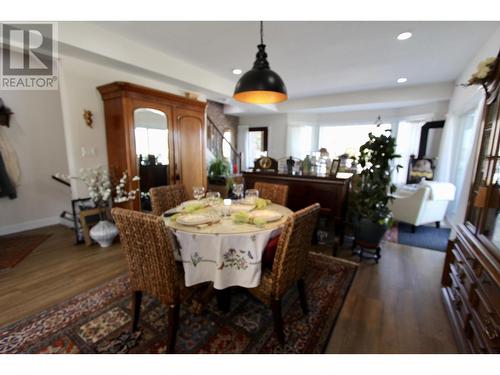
5	113
87	116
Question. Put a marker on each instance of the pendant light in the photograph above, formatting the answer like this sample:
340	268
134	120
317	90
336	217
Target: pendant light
260	85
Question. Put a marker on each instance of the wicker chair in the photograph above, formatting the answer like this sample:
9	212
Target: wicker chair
164	198
276	193
149	250
289	265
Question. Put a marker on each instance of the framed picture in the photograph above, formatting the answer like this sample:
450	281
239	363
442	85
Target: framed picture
334	167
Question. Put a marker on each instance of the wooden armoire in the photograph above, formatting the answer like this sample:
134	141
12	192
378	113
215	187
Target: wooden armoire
471	276
185	120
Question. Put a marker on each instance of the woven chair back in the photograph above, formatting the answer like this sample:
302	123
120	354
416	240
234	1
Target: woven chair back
149	251
164	198
293	247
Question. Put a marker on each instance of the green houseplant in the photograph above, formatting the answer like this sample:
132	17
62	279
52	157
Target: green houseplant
372	189
218	170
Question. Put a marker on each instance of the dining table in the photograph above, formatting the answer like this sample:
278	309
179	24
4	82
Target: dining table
225	250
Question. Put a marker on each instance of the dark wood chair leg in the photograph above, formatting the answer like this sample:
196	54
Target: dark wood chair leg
136	308
438	224
278	321
377	254
413	228
302	295
223	299
173	323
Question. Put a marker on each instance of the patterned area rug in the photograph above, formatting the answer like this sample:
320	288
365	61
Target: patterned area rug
15	248
99	321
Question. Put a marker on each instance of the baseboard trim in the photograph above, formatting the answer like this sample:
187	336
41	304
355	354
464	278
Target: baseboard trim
28	225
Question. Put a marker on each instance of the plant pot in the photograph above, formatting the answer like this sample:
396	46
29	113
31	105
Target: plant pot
369	232
104	233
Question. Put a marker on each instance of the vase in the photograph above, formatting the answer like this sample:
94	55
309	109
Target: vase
104	232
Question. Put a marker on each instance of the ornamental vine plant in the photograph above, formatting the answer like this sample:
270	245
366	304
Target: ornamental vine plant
372	189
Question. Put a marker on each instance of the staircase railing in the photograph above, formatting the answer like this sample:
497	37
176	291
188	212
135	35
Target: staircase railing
215	140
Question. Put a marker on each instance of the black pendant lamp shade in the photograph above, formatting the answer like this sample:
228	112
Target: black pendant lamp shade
260	85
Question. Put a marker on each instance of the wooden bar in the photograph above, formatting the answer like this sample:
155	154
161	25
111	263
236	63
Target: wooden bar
331	193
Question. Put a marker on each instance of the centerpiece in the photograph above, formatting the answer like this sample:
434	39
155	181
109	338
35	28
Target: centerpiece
100	190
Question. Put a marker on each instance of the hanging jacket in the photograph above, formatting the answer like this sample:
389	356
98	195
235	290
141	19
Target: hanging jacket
7	189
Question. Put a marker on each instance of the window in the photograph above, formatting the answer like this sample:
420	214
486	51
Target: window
343	139
226	144
299	141
152	142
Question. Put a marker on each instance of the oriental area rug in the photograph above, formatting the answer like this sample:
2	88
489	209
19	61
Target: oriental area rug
98	321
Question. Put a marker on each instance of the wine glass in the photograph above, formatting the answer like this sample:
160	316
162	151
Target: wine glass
198	192
251	195
213	198
238	190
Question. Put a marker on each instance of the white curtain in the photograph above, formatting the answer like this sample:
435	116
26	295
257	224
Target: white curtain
462	158
300	140
407	143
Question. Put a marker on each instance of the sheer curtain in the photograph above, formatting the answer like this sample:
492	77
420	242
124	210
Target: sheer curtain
299	140
464	150
407	143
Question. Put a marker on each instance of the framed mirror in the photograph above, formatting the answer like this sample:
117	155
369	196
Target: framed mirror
152	150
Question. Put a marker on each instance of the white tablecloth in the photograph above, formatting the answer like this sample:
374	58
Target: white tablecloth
227	254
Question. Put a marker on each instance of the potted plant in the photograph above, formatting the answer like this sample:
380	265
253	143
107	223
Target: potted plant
219	172
372	191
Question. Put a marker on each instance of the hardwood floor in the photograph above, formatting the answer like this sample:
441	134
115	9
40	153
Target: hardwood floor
392	307
395	306
55	271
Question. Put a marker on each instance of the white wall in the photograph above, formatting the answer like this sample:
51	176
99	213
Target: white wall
37	135
79	82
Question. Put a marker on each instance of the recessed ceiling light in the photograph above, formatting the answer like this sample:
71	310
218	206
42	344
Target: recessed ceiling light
402	80
237	71
404	36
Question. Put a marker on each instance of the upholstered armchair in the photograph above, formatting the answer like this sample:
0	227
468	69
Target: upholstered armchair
423	203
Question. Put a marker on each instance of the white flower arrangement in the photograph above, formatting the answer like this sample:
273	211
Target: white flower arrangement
99	185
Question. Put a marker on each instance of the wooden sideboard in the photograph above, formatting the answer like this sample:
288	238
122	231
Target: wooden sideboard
330	193
471	293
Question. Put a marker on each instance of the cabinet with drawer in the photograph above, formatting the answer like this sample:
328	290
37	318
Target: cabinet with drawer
471	293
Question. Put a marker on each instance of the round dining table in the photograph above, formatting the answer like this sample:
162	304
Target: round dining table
225	252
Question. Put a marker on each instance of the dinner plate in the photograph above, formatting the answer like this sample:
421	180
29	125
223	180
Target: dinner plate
192	201
267	215
195	219
237	207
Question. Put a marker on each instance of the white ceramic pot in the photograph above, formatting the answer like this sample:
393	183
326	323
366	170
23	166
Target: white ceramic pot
104	232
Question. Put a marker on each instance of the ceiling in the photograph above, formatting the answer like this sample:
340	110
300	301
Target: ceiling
319	58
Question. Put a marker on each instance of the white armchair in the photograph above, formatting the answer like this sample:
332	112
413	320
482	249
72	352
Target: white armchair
422	204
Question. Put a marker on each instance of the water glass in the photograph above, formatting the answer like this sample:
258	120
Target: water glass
251	195
213	198
198	192
238	190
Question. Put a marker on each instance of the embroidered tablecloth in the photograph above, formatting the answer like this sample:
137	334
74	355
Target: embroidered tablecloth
226	253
